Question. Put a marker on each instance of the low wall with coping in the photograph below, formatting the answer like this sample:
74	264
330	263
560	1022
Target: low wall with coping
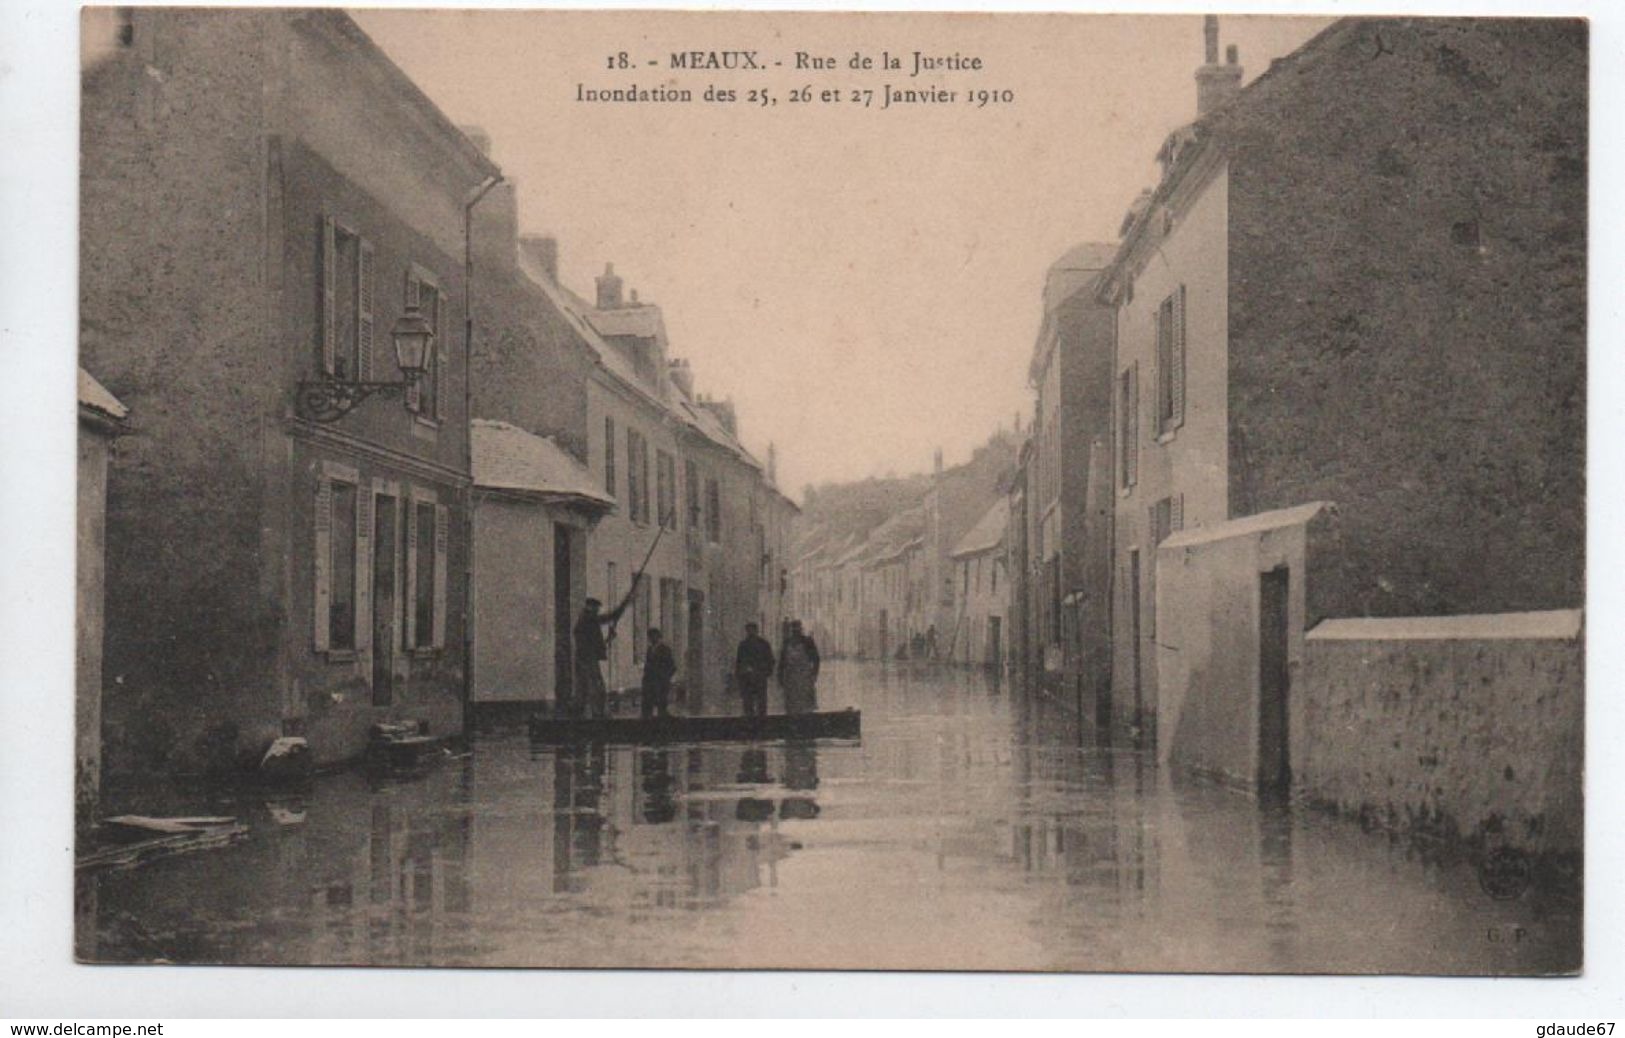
1468	728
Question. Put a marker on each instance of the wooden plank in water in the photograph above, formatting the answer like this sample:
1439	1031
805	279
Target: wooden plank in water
843	724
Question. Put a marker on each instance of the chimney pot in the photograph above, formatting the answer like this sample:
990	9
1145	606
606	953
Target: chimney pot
1210	37
609	289
1232	55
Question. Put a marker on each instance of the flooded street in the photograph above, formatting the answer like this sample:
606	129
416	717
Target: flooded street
966	831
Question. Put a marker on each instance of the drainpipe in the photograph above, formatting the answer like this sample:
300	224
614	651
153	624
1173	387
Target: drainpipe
468	449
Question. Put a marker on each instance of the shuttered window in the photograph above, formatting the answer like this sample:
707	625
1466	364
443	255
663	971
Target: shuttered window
609	456
426	396
427	534
339	557
1171	362
713	512
1128	415
637	476
346	306
691	477
665	489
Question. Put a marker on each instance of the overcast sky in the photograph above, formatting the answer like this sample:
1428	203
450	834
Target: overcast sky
864	283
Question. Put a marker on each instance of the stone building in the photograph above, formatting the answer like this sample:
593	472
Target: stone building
1350	358
693	508
101	418
1065	583
263	196
979	633
535	507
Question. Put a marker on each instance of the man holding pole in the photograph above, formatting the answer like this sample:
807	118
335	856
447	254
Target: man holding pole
592	646
591	649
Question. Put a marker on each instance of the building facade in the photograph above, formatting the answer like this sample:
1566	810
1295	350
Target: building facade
268	573
980	630
101	418
1068	533
1258	371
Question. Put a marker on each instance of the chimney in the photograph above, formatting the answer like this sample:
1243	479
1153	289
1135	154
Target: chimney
609	289
480	138
634	297
541	251
1216	84
682	376
723	411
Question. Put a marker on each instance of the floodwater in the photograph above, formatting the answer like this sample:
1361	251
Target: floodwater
968	830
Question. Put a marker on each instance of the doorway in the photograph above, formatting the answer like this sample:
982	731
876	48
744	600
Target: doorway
563	608
1274	683
385	552
1136	647
694	653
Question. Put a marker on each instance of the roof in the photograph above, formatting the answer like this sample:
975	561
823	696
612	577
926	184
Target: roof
95	397
595	326
896	535
1556	624
507	457
640	321
1186	147
1263	522
1078	269
988	533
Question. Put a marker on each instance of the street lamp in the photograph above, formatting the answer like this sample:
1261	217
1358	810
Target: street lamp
329	399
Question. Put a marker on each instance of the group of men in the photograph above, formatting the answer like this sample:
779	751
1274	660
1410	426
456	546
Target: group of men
797	665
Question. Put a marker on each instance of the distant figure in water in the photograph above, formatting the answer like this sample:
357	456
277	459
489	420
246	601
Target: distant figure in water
798	671
658	669
753	666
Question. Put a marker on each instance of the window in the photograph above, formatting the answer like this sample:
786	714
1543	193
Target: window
426	536
691	477
426	396
1171	362
666	489
609	456
637	476
713	512
346	303
341	612
337	531
1128	410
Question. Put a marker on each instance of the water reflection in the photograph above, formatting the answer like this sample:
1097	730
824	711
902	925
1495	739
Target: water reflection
970	829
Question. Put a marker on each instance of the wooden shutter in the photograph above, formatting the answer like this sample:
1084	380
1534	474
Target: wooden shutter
330	264
442	531
1176	375
322	607
363	578
441	353
365	362
1176	520
1131	456
410	599
414	392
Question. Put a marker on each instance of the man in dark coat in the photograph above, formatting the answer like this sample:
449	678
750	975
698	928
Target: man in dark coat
659	667
591	649
753	665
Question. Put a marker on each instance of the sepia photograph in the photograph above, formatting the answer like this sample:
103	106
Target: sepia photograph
768	490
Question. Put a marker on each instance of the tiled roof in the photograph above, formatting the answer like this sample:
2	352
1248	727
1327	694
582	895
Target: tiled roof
988	533
507	457
94	395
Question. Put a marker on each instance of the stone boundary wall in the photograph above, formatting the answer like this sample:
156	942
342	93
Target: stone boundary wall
1467	728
